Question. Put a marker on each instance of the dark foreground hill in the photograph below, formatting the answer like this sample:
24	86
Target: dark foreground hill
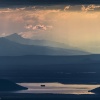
96	90
6	85
27	96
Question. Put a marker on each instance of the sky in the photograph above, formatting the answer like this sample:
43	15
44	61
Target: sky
77	25
40	2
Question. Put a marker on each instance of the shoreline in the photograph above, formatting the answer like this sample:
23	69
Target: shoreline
45	96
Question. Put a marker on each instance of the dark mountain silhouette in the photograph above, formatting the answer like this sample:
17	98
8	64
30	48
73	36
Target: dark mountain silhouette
96	90
10	48
18	39
6	85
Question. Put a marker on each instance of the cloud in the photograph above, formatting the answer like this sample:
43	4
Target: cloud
22	19
42	2
27	34
3	34
35	35
89	7
49	22
38	27
66	8
28	26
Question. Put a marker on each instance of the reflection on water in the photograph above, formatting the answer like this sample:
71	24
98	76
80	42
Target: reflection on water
57	88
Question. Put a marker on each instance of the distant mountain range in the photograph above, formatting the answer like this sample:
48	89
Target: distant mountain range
18	39
15	45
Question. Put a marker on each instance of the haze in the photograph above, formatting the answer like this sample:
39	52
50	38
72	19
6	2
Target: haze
77	25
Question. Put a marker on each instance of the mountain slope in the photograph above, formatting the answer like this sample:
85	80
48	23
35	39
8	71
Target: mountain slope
6	85
18	39
10	48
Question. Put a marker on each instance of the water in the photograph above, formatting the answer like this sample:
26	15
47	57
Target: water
57	88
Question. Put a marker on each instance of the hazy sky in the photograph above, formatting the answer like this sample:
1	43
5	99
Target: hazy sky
77	25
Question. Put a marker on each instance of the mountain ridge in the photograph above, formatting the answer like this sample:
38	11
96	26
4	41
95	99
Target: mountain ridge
19	39
11	48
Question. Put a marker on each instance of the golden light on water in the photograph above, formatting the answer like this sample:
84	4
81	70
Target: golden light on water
58	88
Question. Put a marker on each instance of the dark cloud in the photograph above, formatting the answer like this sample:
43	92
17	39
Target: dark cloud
43	2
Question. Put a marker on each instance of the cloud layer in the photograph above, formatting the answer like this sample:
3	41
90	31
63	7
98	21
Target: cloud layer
42	2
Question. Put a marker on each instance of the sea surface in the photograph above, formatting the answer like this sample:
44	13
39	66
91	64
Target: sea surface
57	88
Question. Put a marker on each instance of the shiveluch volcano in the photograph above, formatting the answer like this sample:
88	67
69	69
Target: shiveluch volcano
15	45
